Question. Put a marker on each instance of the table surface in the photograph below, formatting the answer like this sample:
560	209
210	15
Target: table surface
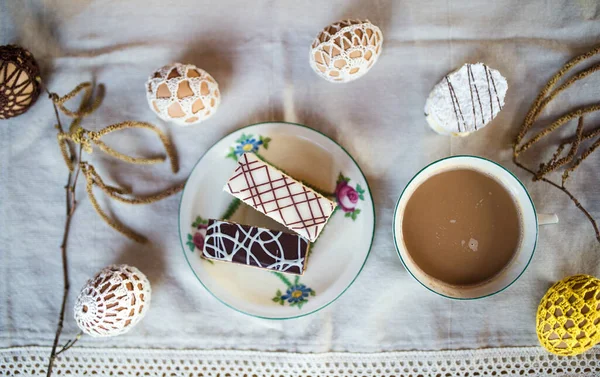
258	52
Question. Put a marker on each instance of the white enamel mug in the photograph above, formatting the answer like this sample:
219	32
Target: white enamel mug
529	227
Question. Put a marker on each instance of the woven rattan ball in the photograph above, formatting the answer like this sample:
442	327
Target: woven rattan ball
183	94
19	85
346	50
568	317
113	301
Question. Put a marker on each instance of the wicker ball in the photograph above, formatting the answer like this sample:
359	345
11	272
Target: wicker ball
346	50
113	301
19	85
183	94
568	317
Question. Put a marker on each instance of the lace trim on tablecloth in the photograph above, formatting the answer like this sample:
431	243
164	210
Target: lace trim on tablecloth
515	361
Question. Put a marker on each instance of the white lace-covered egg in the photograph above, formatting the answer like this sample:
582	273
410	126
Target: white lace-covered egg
113	301
183	94
346	50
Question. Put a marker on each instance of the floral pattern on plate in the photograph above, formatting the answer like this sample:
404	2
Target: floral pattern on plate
347	196
195	240
247	143
297	294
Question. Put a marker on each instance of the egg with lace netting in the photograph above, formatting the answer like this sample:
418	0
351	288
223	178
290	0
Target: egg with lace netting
113	302
183	94
19	81
568	317
346	50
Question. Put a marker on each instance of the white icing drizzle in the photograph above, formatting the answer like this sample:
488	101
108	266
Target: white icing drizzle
244	240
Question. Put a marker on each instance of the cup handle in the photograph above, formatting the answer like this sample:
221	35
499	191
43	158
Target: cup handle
547	218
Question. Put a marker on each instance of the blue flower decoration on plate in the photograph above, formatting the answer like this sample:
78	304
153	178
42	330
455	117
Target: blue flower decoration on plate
296	294
248	143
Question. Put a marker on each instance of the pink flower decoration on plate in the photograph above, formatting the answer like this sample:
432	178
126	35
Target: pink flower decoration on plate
346	196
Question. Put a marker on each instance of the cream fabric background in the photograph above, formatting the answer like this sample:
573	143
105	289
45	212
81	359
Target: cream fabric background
257	51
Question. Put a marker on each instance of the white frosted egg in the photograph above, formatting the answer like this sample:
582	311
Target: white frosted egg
113	301
346	50
466	100
183	94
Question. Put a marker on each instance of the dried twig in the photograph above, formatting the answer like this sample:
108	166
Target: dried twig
556	162
543	98
592	148
571	196
70	343
71	204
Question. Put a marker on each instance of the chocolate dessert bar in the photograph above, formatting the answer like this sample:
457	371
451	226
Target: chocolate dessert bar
280	197
254	246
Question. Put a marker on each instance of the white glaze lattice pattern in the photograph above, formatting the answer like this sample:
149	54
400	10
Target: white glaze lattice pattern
518	361
280	197
346	50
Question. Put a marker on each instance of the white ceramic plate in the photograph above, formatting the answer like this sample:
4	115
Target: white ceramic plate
336	258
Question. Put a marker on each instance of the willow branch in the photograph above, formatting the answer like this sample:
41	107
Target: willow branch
566	191
545	96
71	204
70	343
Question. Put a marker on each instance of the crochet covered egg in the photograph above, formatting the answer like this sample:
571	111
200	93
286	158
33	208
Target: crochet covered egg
183	94
346	50
19	81
113	301
568	317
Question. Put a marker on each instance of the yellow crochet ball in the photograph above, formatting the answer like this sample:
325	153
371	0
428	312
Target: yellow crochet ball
568	318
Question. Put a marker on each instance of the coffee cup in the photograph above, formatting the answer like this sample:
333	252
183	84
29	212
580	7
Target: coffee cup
530	220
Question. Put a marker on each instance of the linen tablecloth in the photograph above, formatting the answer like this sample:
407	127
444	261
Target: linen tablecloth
258	52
